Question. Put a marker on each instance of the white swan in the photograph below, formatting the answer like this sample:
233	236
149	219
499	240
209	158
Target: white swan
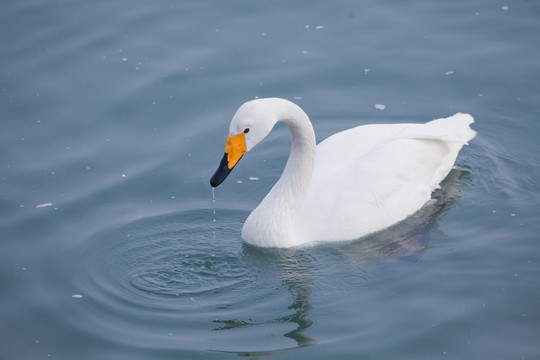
352	184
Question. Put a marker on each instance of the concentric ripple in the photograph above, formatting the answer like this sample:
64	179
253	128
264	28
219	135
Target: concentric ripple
162	275
177	260
176	255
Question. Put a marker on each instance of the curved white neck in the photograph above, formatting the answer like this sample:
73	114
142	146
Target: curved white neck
283	201
299	168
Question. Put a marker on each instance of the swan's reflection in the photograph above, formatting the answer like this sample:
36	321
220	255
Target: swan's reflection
296	267
293	267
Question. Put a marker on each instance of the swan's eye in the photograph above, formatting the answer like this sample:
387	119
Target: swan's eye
246	130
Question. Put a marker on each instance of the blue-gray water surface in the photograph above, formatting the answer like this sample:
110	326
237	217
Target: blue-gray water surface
114	115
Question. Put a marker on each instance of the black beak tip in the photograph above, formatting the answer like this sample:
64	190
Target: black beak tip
213	182
221	173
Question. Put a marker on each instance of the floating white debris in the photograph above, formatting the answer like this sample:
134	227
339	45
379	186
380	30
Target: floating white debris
77	296
239	181
380	106
123	175
304	52
448	73
366	71
124	59
44	205
505	8
319	27
253	178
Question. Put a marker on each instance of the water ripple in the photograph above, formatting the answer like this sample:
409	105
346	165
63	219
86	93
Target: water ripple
162	275
172	256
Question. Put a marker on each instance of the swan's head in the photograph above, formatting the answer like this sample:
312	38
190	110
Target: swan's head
251	123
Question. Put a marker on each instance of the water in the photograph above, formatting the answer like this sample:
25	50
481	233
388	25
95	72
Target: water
114	117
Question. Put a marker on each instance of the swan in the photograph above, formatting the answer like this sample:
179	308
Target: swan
354	183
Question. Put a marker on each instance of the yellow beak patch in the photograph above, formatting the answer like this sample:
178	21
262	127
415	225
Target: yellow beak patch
235	148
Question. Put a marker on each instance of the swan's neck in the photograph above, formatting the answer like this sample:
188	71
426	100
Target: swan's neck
296	176
274	221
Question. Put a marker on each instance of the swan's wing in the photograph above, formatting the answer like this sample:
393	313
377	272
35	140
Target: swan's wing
370	177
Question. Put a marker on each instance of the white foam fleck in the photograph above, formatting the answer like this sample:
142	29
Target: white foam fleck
380	106
448	73
77	296
44	205
319	27
253	178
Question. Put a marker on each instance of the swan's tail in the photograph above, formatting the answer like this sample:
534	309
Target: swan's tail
455	128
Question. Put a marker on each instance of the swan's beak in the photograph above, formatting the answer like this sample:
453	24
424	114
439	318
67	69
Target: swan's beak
235	148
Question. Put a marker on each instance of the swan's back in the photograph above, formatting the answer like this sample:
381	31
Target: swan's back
370	177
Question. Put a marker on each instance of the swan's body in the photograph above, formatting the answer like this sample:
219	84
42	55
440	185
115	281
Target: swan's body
354	183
